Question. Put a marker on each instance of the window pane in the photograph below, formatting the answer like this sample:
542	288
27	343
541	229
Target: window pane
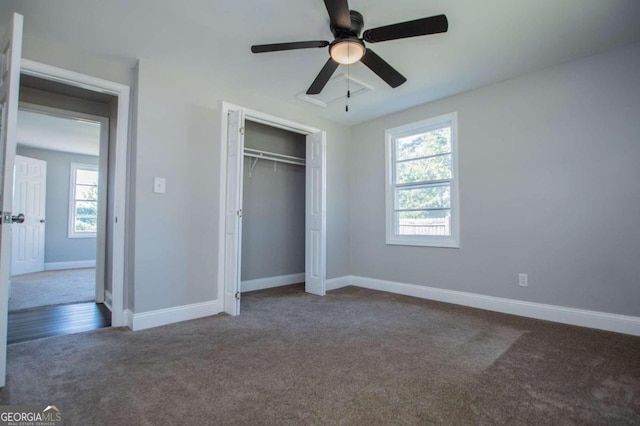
85	224
86	177
424	198
87	208
86	192
424	144
436	168
425	222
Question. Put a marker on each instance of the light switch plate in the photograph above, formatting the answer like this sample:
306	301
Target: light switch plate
159	185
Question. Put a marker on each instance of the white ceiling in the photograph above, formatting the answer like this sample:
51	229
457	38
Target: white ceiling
55	133
487	42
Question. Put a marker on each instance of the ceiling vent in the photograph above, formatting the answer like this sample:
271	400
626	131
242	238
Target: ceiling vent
336	90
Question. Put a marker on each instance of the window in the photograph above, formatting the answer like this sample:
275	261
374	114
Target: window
83	201
422	185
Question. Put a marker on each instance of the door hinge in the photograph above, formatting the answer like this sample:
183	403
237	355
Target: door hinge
239	212
242	130
6	217
237	295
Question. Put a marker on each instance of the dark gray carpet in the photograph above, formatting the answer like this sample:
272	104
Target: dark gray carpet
52	288
353	357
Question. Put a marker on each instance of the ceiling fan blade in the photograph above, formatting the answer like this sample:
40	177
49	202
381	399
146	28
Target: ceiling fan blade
419	27
339	13
382	68
323	77
262	48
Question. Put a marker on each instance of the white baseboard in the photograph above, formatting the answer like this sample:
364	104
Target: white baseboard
160	317
128	318
270	282
561	314
335	283
78	264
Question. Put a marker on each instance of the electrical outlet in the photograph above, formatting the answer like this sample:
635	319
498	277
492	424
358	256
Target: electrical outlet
523	280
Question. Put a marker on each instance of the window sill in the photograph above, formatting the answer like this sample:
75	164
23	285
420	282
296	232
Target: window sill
424	242
73	236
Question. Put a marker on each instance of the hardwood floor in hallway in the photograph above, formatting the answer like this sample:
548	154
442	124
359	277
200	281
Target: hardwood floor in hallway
57	320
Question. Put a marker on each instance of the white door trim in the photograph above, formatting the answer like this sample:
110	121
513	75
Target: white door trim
256	116
118	220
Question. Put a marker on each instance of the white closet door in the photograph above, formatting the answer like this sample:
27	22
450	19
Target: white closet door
233	229
316	216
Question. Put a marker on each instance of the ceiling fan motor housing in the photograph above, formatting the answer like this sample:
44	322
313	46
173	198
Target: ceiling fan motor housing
357	23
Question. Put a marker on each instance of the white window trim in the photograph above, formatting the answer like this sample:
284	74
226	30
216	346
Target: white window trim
452	241
72	185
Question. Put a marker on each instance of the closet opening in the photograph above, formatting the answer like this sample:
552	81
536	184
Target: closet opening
252	259
273	208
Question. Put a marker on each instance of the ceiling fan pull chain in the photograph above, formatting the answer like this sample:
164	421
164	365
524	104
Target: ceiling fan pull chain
348	96
346	108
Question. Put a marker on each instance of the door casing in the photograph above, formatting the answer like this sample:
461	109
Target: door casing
118	219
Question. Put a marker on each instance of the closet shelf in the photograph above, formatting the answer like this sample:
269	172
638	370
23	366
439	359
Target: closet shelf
272	156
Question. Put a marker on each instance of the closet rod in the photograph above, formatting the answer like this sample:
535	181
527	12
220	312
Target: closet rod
272	156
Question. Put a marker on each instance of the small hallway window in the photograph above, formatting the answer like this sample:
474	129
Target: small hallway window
83	203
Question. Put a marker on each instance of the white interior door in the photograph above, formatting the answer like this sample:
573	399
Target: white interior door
233	220
29	198
316	217
10	51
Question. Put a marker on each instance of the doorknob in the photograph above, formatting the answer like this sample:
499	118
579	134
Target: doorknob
41	220
18	219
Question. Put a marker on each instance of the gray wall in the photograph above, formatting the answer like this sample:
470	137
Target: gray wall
549	185
58	247
273	208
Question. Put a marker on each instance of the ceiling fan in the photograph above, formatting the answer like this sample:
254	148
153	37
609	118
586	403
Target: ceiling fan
347	48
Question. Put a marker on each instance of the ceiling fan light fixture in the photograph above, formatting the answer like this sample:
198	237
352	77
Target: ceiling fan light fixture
347	51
